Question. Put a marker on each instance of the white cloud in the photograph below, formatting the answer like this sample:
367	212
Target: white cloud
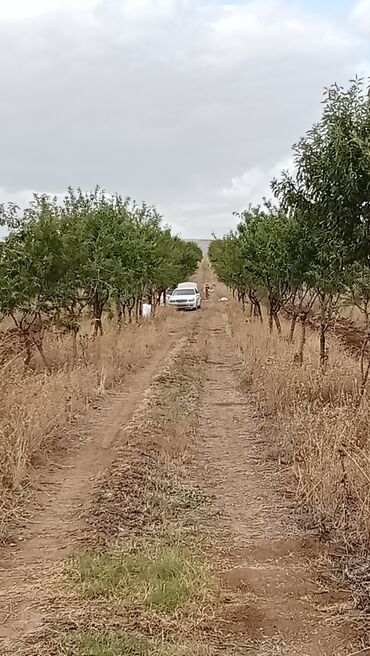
185	103
20	197
254	184
25	9
360	17
246	185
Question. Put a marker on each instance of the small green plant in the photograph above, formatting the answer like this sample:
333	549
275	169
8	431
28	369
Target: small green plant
187	498
164	577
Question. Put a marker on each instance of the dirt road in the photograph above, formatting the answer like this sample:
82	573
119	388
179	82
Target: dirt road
58	525
277	605
266	596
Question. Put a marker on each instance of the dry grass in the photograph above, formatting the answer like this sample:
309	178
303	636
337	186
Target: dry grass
36	407
314	422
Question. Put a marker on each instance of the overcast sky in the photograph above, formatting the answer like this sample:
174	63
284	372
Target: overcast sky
192	105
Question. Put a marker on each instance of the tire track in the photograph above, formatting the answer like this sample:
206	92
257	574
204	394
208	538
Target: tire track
58	527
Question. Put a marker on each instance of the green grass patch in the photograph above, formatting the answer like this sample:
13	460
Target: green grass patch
162	577
95	643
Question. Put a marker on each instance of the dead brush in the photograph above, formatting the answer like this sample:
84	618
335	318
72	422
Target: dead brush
37	406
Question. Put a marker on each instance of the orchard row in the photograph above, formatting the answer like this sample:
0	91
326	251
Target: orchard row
87	252
311	246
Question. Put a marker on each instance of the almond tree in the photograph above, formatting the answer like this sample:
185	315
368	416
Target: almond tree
265	246
330	194
87	251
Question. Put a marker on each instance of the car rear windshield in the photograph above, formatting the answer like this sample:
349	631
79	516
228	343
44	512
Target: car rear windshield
184	292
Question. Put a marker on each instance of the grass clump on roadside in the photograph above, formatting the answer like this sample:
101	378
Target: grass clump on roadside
183	497
97	643
118	643
163	577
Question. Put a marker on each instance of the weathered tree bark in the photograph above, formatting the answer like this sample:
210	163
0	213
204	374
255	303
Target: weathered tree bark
257	310
130	307
40	349
138	309
292	327
273	315
97	314
302	338
323	327
364	370
364	353
74	343
271	319
277	322
28	348
322	344
119	316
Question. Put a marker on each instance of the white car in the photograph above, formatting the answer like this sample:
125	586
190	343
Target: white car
187	285
185	298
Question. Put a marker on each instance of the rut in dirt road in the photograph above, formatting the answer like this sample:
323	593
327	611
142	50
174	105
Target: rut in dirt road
276	605
58	525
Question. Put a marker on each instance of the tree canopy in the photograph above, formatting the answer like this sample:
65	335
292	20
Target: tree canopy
314	243
87	251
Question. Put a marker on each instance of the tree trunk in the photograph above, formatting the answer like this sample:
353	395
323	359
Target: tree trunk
41	351
277	322
29	349
271	319
74	344
302	338
364	371
257	309
364	353
322	344
154	305
137	310
119	317
323	356
98	327
292	328
97	314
